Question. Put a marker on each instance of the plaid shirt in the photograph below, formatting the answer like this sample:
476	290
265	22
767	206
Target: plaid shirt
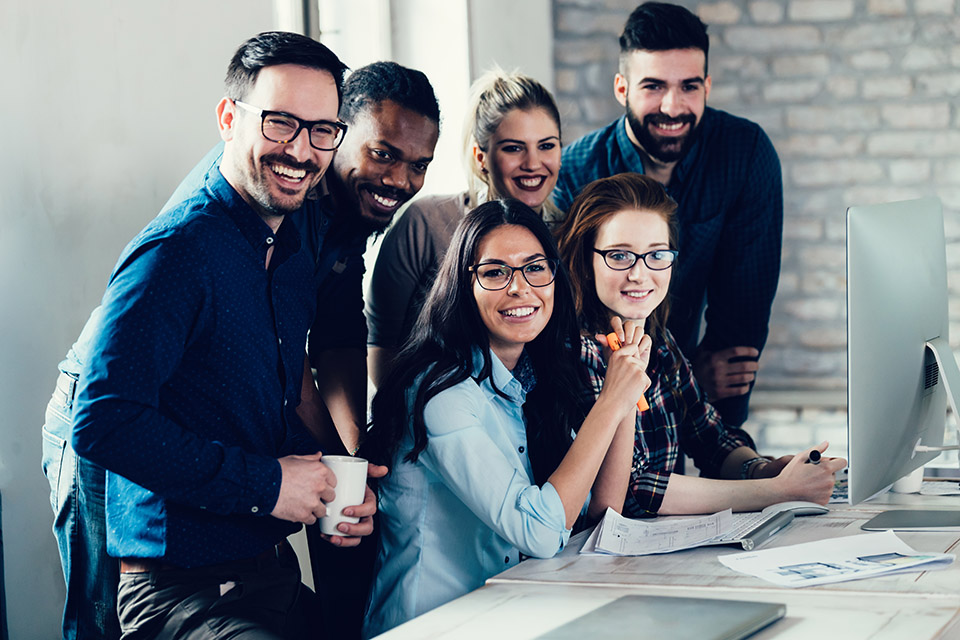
730	196
676	423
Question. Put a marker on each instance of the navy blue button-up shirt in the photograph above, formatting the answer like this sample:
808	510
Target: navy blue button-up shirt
189	390
336	242
729	193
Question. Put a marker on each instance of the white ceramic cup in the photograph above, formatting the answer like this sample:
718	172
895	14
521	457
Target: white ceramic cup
351	476
909	483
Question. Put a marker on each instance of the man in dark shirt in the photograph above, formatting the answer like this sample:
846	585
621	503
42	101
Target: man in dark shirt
393	117
190	391
725	176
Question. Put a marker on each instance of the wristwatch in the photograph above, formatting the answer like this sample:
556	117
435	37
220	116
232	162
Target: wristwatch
747	468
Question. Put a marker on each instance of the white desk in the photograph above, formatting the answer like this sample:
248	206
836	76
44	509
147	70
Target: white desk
539	595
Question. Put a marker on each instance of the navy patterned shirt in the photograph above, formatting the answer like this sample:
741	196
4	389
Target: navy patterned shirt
680	421
189	391
336	241
730	196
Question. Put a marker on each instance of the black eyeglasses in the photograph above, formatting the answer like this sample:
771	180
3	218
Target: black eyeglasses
277	126
621	259
494	276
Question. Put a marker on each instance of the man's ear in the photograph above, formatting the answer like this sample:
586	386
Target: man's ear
226	115
620	86
707	83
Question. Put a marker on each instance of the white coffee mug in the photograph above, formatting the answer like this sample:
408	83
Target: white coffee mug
351	476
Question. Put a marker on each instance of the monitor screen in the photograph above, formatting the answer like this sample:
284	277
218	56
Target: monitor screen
897	328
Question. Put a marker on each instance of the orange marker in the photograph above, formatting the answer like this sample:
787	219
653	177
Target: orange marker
614	341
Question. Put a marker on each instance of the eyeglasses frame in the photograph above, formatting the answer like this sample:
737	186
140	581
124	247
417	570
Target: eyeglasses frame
301	125
637	258
554	264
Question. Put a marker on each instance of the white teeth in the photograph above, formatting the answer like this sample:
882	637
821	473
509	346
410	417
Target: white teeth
670	127
386	202
636	294
531	183
519	312
288	172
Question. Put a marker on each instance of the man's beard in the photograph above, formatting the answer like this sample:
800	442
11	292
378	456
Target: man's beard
661	148
260	191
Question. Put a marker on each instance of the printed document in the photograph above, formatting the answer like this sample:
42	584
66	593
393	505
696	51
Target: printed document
835	560
618	535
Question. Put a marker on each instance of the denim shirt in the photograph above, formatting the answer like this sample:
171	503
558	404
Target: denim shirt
467	508
188	391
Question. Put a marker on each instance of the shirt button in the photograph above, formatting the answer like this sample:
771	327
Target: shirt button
521	449
269	240
507	560
284	402
279	340
254	509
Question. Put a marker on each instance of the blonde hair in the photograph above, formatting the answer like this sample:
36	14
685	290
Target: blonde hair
492	96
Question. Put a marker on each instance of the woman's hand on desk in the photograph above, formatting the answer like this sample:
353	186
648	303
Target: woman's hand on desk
798	480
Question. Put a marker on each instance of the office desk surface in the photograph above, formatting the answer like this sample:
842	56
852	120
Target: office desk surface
537	596
521	610
698	570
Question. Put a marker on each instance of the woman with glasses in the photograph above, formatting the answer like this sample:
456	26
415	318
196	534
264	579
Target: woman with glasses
619	244
511	145
476	417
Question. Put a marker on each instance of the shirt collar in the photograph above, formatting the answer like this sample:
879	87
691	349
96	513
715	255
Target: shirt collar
500	376
634	157
257	232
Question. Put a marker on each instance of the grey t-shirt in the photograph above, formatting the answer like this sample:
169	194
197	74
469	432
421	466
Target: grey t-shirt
406	265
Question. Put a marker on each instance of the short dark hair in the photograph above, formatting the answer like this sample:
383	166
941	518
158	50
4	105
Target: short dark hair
661	26
379	81
272	48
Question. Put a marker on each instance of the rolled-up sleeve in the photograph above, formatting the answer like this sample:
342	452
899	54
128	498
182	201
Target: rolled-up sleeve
471	451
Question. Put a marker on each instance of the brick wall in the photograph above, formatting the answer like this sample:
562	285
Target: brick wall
860	98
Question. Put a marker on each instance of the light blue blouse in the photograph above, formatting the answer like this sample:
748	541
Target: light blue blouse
466	509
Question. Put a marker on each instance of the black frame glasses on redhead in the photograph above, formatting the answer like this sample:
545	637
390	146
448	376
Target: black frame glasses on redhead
661	261
549	263
285	127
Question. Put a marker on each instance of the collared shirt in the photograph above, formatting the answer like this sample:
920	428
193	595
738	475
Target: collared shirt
336	242
730	196
189	390
467	508
679	421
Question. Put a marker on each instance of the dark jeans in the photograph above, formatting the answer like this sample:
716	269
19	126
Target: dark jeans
77	499
259	598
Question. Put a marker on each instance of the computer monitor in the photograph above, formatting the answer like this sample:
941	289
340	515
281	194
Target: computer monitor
900	368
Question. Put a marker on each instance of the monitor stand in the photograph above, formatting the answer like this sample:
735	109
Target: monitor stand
926	519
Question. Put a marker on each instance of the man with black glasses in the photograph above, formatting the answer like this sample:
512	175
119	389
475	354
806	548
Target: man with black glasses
725	176
189	391
393	121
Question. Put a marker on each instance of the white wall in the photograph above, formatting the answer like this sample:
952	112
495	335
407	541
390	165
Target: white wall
106	105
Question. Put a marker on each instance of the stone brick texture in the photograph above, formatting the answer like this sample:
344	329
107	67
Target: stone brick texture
862	101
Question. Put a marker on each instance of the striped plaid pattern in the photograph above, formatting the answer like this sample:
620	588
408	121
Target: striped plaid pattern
679	421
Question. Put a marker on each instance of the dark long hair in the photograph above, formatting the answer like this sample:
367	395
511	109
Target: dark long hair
448	330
